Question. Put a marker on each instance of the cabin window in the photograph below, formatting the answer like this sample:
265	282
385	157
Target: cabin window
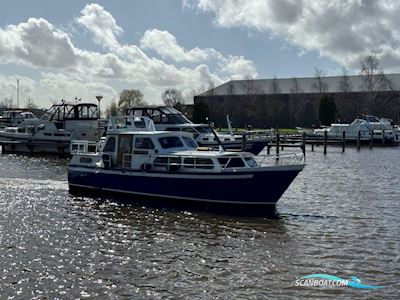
92	148
204	163
170	142
110	145
189	162
144	143
189	142
198	163
223	161
251	162
233	162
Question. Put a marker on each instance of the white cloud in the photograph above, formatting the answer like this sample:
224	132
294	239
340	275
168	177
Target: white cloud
101	23
166	45
237	67
37	43
344	31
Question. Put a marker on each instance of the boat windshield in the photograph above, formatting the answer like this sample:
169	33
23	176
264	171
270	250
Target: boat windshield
189	142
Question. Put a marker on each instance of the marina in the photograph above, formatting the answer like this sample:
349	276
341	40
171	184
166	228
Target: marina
84	246
199	149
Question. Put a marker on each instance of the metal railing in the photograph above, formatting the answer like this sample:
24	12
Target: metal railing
286	159
174	162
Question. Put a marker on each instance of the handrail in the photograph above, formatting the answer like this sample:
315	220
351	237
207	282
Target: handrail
171	162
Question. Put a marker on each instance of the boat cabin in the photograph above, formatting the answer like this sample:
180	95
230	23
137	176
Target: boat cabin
14	117
81	119
132	143
161	115
38	126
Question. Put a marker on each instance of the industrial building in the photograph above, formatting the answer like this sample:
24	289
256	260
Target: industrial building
291	102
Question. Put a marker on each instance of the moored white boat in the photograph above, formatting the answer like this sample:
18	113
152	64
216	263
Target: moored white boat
140	161
35	136
370	127
169	119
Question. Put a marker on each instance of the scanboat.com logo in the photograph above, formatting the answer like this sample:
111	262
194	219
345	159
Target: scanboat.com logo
318	280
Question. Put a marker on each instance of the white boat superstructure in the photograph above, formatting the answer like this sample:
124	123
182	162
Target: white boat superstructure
169	119
80	119
14	117
370	127
35	136
351	130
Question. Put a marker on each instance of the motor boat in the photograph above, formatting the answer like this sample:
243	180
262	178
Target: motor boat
14	117
169	119
368	126
138	160
80	119
54	131
383	128
35	136
351	130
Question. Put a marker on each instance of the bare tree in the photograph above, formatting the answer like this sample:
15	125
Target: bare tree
6	103
274	87
250	86
171	97
319	85
130	98
369	68
230	88
112	110
383	83
29	103
295	89
344	84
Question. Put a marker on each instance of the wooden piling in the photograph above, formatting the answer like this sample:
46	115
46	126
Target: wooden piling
358	140
268	149
383	137
312	147
303	143
244	138
277	145
371	142
343	141
325	141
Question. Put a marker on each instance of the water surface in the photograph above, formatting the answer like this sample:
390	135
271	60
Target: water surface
340	216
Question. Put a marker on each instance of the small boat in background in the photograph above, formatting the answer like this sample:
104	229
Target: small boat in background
370	127
138	160
80	119
14	117
351	131
34	136
54	131
169	119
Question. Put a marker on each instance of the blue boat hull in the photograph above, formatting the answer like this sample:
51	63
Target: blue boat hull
262	188
254	147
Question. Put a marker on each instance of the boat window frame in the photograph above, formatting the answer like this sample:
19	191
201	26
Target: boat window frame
144	138
171	137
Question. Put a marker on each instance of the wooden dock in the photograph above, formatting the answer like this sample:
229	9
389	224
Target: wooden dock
280	142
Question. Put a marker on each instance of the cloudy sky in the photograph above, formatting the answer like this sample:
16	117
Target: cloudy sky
67	49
